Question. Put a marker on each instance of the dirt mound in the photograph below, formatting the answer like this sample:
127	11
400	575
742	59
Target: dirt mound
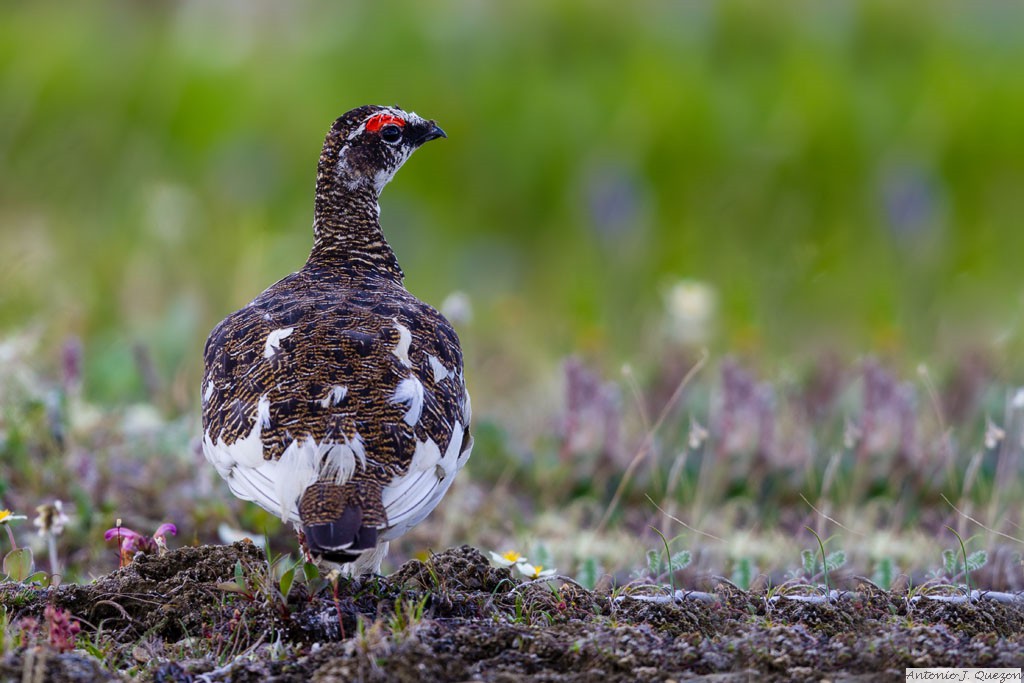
219	612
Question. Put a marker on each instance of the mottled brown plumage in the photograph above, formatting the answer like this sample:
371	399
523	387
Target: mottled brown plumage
336	398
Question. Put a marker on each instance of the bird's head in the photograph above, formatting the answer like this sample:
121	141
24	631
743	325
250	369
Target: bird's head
366	146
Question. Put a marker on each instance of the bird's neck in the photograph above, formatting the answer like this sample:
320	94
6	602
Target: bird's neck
347	232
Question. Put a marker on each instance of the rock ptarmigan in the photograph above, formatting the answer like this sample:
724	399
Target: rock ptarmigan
336	399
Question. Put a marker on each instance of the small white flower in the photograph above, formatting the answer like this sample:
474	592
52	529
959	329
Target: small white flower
698	434
851	434
690	306
1018	399
532	571
993	434
507	559
51	518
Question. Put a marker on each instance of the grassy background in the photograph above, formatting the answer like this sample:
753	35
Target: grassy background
832	179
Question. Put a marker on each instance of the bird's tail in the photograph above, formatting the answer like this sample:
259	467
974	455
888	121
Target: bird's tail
336	527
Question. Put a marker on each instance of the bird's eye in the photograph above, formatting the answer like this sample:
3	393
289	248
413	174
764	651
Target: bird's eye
391	133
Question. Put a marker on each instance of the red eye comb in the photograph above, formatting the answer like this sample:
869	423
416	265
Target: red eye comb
375	123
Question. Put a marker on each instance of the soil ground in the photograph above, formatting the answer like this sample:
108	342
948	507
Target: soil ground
190	615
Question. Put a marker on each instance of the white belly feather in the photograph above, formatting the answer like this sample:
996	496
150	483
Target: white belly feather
277	485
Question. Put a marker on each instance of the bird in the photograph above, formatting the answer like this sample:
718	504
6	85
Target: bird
336	399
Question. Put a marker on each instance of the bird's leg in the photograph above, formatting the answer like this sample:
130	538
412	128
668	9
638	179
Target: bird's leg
303	547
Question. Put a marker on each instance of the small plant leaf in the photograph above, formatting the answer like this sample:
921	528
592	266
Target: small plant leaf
18	564
542	556
239	573
977	560
654	563
310	571
963	551
40	577
950	562
588	573
680	560
285	584
810	562
885	572
835	560
743	573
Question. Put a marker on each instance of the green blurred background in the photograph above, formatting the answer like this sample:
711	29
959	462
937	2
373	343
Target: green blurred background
841	175
799	187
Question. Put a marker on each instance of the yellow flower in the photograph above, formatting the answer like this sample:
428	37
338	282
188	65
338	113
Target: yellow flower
8	516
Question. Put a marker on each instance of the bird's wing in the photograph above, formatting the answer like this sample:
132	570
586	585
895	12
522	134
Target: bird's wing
438	412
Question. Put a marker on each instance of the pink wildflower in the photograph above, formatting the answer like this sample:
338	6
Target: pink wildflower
63	629
132	542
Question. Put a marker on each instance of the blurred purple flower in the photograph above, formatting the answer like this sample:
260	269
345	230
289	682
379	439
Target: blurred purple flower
132	542
71	365
592	421
912	202
746	417
614	197
888	417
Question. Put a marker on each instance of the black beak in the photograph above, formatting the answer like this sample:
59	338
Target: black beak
430	131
